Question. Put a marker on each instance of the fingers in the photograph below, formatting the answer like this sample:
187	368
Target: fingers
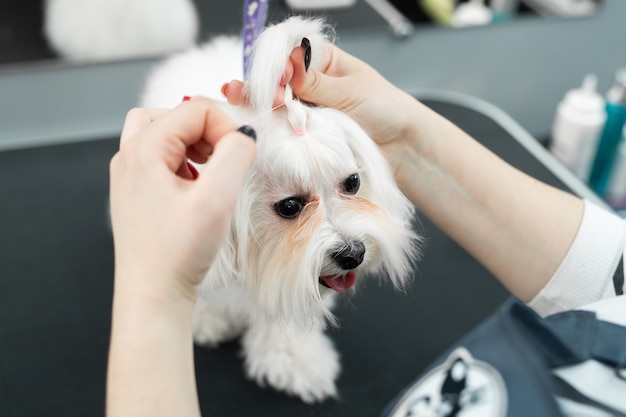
305	84
199	154
319	86
332	85
193	121
233	91
316	86
297	69
225	173
136	120
197	123
342	63
191	130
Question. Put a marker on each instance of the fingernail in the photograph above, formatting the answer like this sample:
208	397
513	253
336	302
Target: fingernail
248	131
306	44
194	172
223	90
186	98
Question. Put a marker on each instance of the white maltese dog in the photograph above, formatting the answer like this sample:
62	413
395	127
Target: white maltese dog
319	211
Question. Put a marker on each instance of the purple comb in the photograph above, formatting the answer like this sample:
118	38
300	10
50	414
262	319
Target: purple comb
254	17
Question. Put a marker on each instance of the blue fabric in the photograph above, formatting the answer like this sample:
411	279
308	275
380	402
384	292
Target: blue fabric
524	348
590	338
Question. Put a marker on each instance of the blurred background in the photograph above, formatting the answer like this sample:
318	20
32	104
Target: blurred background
69	69
25	34
520	76
522	58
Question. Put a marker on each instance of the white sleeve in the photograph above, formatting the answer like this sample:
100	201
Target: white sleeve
586	273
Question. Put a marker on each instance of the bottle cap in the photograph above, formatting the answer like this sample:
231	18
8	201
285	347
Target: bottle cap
472	13
617	92
586	99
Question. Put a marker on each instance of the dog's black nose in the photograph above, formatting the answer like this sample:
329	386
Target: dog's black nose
350	256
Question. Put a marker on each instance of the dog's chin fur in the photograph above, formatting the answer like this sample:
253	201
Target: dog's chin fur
265	282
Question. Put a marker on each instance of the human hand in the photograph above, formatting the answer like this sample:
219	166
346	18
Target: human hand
348	84
167	228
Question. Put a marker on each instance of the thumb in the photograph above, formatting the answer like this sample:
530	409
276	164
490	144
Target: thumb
320	89
226	171
315	86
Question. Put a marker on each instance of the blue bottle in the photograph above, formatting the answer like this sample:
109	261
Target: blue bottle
611	134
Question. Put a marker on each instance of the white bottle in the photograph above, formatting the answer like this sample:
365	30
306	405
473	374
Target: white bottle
579	120
471	13
319	4
616	192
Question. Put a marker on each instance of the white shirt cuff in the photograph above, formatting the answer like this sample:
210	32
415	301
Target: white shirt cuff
586	273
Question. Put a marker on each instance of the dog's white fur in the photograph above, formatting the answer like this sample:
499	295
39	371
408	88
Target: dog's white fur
91	30
265	282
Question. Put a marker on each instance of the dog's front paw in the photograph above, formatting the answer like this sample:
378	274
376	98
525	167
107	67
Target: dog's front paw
305	366
211	326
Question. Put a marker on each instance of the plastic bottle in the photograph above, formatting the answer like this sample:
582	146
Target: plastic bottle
611	134
616	190
472	13
503	10
319	4
577	126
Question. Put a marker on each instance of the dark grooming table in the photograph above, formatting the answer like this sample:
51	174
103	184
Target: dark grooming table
56	267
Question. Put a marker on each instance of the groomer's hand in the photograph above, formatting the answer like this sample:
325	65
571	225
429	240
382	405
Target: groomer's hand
168	224
348	84
167	227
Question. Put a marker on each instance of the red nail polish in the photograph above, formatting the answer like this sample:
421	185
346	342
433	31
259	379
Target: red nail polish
194	172
186	98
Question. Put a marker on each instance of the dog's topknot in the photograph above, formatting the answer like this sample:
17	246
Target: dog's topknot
273	48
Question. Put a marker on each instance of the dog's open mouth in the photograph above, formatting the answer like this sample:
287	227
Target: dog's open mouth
339	283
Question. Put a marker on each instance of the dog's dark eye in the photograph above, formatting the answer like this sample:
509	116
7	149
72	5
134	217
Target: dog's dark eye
289	208
351	184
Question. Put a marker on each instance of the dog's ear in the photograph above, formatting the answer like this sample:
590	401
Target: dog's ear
273	48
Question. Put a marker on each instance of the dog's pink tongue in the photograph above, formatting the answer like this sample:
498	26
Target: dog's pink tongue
340	283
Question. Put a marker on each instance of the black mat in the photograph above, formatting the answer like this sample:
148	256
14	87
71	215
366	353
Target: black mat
56	268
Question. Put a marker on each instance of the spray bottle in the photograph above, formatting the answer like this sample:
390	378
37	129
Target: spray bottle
471	13
616	190
611	134
577	126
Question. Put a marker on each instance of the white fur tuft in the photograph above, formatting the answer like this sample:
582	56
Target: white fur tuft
296	113
202	71
115	29
273	48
